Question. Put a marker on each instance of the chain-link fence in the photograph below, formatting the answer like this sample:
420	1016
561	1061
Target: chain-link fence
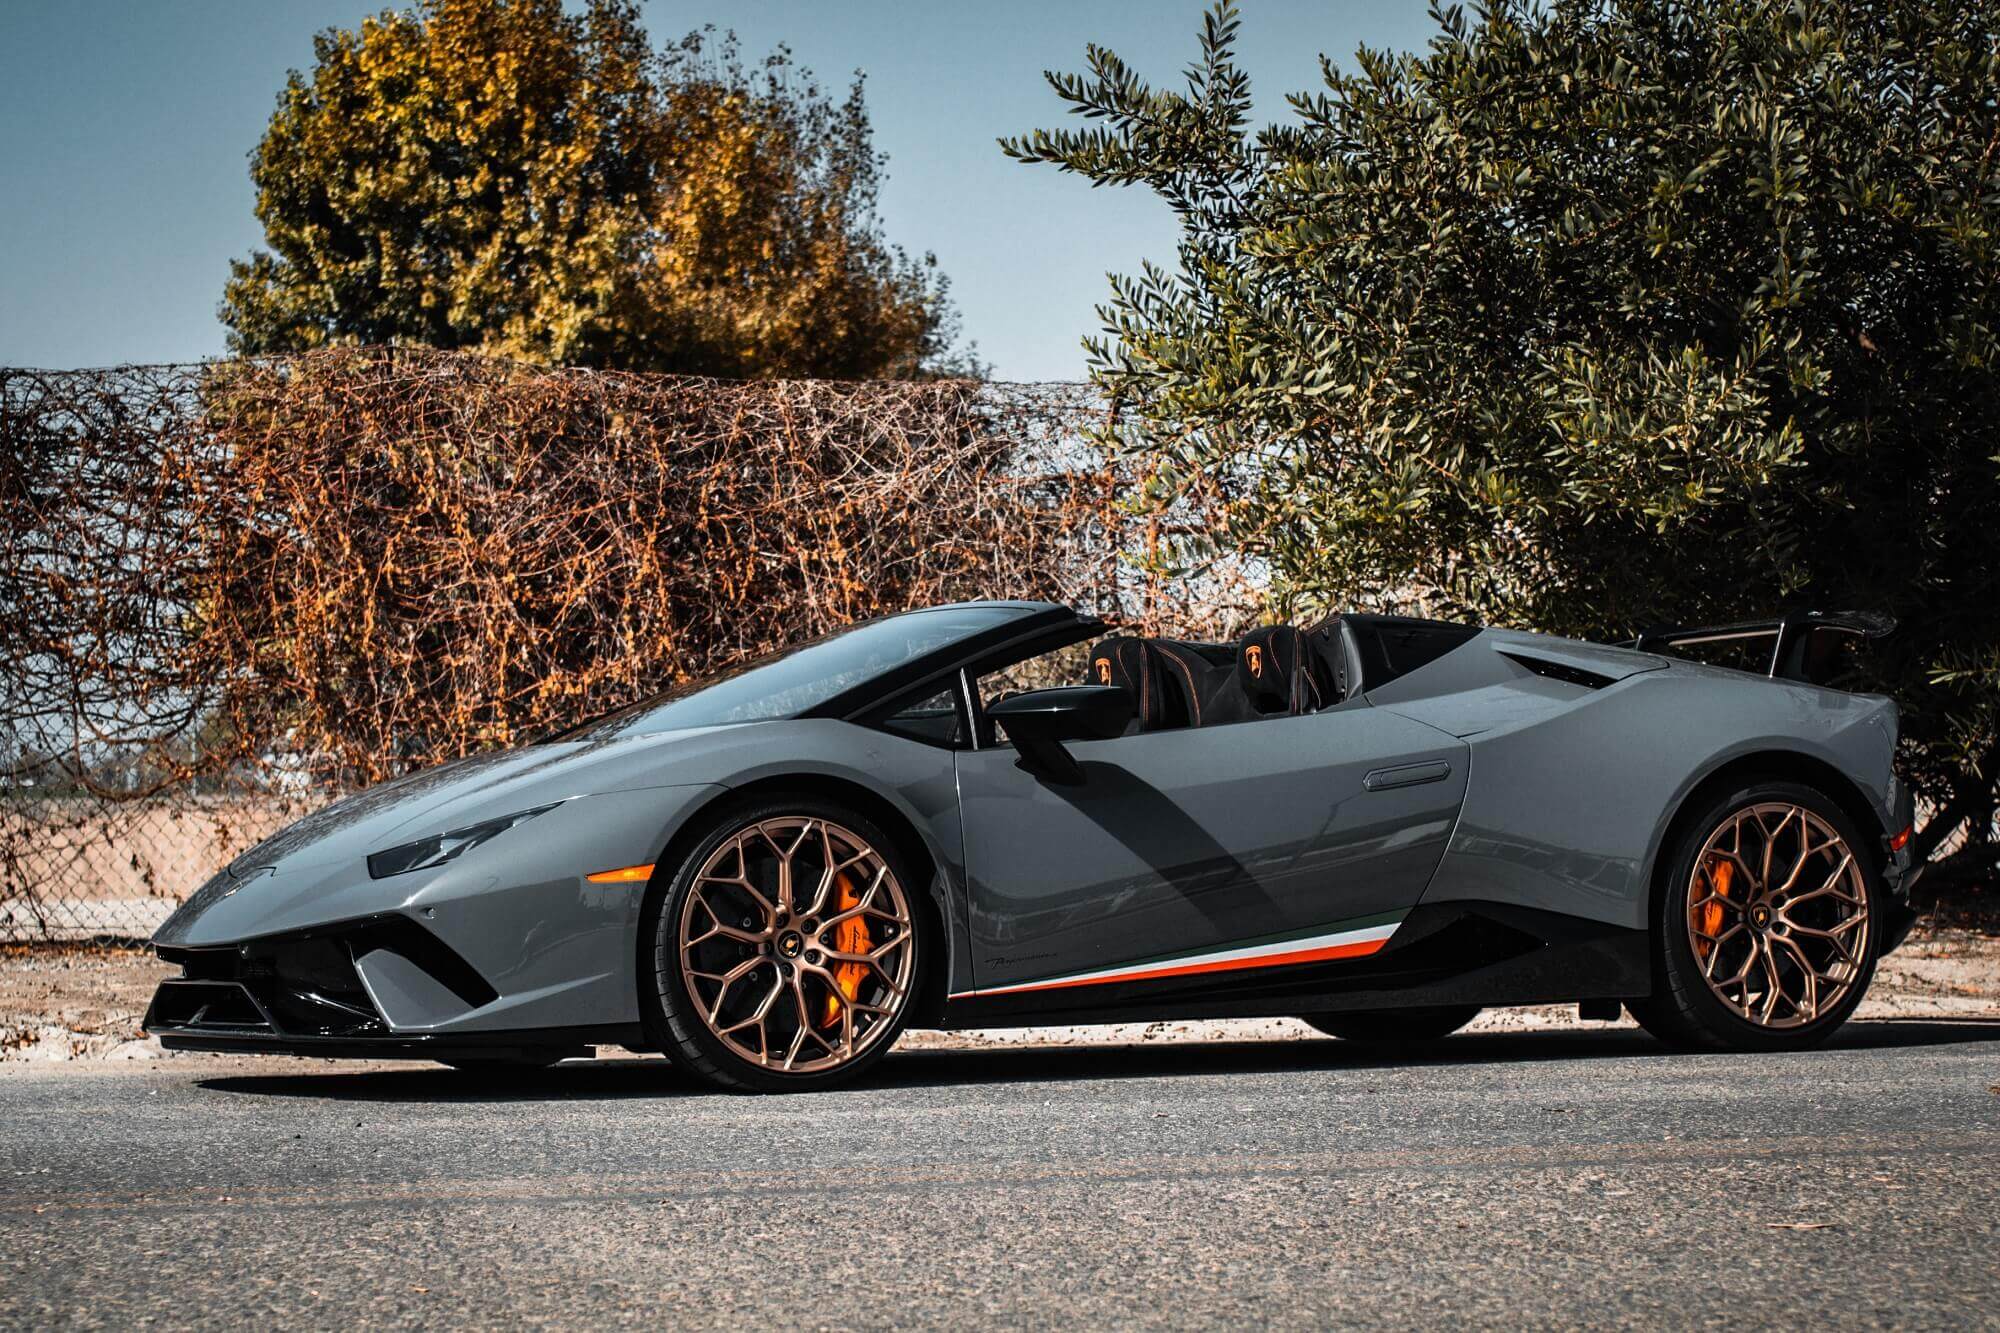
84	867
230	591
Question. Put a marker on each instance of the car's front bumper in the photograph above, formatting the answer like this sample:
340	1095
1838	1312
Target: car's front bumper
308	993
534	1044
513	935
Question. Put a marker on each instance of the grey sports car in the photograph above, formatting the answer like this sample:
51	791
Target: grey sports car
993	814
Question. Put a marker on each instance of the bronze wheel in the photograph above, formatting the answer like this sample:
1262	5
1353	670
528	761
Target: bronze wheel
788	949
1778	915
1767	925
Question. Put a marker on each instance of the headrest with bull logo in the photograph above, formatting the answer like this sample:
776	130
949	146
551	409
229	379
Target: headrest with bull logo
1130	664
1273	672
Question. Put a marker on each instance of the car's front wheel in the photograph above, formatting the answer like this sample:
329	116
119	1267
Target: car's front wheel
1766	932
1390	1027
785	949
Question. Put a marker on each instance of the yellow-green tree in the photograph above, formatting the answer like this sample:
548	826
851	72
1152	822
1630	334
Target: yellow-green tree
502	175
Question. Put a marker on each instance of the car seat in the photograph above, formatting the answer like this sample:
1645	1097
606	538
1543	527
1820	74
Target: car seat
1330	647
1171	684
1278	673
1202	688
1129	663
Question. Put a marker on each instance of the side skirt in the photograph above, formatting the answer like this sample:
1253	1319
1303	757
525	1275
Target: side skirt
1444	954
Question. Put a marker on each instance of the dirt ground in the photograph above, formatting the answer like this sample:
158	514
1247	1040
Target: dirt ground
71	1002
66	1002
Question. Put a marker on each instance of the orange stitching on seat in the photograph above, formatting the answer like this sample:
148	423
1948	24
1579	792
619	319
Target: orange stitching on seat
1145	682
1194	700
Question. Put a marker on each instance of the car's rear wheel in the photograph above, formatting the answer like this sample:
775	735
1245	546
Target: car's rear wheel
1390	1027
1766	933
786	948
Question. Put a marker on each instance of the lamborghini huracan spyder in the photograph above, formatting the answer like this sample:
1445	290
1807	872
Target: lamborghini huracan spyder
990	814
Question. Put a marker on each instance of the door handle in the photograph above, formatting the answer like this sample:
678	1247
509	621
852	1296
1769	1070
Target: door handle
1406	775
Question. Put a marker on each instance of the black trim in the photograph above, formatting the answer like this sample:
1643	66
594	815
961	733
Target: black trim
303	984
533	1043
1790	632
1563	671
1446	953
401	935
180	1002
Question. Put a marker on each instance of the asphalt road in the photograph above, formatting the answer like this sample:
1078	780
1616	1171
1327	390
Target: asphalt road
1549	1178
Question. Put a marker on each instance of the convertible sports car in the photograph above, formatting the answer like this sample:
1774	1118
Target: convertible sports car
990	814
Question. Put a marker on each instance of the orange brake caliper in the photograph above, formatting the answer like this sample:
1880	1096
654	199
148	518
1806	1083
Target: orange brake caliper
850	936
1708	914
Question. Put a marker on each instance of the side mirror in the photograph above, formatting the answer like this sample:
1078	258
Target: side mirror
1039	721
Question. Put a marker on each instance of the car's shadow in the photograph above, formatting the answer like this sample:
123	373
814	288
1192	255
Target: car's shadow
610	1079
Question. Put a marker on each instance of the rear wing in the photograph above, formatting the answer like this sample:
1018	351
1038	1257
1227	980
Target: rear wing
1802	642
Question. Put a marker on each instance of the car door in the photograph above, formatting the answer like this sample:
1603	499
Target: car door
1217	850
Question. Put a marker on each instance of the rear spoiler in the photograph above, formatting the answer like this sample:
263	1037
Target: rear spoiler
1792	636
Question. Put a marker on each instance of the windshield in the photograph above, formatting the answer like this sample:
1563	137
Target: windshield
792	680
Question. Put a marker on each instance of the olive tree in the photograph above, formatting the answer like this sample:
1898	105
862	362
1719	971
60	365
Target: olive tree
1591	315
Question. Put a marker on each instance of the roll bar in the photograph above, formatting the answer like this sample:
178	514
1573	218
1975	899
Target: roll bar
1790	633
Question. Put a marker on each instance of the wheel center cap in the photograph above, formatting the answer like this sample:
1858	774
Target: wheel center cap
1760	916
790	943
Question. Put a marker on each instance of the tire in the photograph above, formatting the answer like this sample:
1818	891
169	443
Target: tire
1395	1027
1750	959
826	1013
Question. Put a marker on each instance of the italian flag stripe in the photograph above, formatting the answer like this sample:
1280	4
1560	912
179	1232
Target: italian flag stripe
1353	941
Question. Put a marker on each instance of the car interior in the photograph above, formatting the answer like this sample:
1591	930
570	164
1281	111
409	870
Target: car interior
1273	671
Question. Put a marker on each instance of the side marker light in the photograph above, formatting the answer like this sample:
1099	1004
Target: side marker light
629	875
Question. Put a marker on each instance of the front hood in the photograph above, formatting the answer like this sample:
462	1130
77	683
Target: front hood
466	791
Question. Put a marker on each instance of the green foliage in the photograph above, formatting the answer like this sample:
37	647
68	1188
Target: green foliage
501	175
1594	314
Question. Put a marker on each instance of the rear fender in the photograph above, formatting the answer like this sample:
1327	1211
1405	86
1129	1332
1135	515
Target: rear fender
1568	811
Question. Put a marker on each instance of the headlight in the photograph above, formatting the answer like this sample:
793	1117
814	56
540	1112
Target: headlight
426	853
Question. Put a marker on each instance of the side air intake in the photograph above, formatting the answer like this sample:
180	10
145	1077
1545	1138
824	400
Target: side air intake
1563	671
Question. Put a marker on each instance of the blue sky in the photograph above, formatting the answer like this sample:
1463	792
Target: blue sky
125	130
